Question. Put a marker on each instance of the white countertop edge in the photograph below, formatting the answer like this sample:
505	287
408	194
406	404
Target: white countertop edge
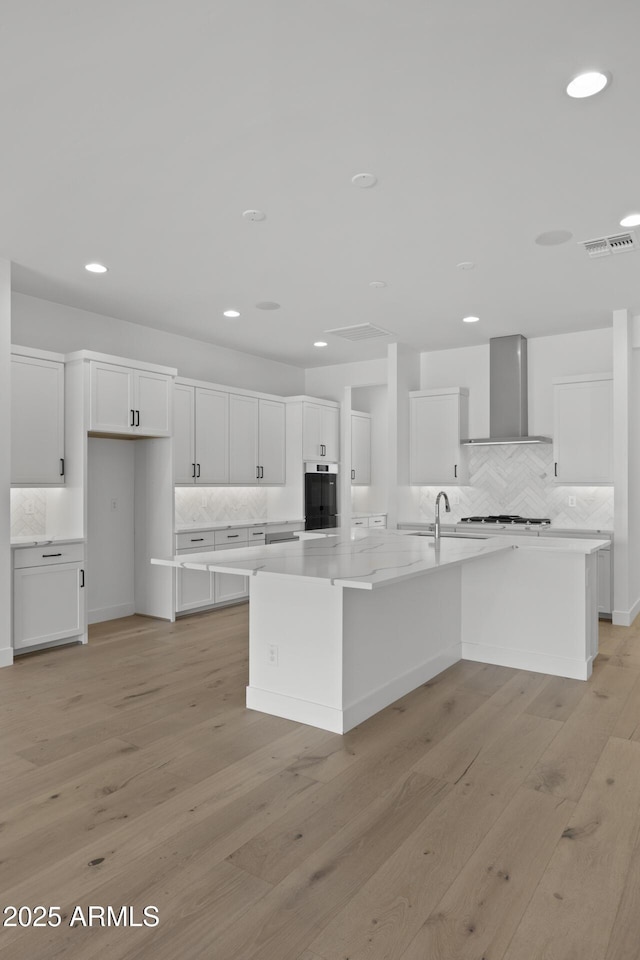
197	526
18	543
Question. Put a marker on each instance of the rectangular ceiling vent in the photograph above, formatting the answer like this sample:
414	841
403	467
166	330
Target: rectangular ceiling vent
361	331
605	246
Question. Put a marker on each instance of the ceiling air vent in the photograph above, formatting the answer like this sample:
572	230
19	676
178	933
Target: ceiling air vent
361	331
605	246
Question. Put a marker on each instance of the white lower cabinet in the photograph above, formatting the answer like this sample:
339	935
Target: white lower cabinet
229	586
194	588
197	589
48	595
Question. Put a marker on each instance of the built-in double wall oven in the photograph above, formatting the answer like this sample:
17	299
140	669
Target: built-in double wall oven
320	496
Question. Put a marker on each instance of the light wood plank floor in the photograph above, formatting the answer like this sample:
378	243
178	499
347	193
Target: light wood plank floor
492	813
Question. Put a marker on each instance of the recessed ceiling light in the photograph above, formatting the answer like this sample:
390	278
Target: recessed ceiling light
231	313
95	267
587	84
470	319
320	343
364	180
552	238
268	305
633	220
254	215
465	265
378	284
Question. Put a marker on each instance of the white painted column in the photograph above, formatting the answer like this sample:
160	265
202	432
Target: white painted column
6	645
622	600
403	375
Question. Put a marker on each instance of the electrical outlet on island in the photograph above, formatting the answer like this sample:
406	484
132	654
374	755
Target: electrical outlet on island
572	501
272	654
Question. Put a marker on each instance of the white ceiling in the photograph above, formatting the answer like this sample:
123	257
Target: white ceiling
136	132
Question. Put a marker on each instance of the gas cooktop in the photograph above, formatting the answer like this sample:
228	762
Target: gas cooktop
508	518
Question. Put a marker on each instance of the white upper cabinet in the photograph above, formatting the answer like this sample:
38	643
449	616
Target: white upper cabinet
271	450
130	401
256	440
360	449
320	432
438	420
184	433
583	429
200	435
243	439
37	421
212	436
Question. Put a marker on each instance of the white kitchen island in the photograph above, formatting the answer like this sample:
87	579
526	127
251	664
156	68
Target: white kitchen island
341	626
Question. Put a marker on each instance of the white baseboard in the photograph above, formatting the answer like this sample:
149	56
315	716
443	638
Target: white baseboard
624	618
6	656
528	660
340	721
114	612
302	711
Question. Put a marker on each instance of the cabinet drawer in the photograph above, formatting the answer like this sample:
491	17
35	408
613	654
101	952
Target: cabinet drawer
377	521
232	536
254	534
49	554
200	538
360	522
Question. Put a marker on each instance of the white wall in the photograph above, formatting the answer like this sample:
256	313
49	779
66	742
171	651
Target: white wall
6	645
54	326
328	383
566	354
110	544
464	367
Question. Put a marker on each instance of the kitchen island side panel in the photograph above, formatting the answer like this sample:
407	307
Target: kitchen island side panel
397	637
295	650
532	610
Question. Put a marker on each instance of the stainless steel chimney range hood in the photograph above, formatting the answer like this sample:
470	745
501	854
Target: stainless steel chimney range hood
508	394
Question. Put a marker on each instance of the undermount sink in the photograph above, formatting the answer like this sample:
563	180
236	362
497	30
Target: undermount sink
453	536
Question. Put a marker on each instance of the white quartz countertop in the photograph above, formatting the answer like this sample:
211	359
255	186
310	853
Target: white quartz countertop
566	544
360	559
42	541
198	525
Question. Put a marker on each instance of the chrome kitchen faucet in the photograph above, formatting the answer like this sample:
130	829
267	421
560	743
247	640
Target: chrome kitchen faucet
436	526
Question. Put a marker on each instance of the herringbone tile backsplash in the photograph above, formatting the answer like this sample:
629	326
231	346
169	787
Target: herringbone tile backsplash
519	480
220	504
28	512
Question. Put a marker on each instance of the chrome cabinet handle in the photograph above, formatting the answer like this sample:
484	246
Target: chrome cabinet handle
138	418
133	419
198	466
193	469
82	580
62	466
51	555
353	474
